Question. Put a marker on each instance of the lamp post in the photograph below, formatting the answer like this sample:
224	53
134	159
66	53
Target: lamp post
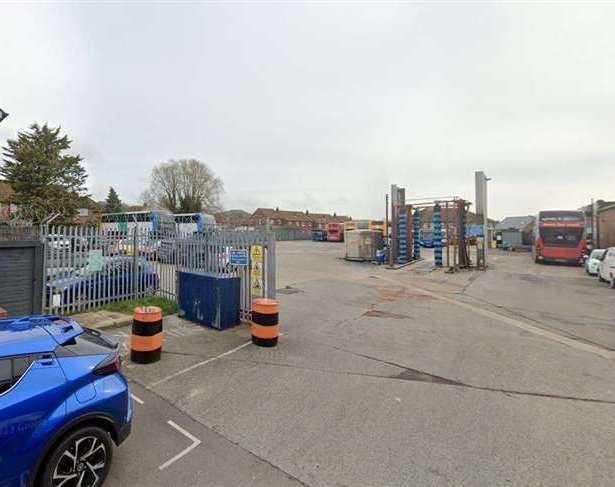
480	181
3	114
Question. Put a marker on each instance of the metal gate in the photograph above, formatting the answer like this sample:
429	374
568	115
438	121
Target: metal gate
210	251
86	268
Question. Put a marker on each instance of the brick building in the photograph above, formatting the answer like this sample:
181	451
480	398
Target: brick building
6	195
293	219
606	226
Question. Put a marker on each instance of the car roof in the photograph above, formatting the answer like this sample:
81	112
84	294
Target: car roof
35	334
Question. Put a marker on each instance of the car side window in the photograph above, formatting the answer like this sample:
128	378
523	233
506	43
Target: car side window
12	369
6	375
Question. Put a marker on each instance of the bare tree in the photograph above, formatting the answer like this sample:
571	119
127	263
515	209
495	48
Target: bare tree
184	186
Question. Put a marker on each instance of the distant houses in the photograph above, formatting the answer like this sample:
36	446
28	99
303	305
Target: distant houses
6	197
294	219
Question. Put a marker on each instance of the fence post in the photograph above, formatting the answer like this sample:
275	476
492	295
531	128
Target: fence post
271	265
43	232
134	263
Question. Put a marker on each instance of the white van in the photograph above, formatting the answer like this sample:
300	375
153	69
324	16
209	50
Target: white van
606	270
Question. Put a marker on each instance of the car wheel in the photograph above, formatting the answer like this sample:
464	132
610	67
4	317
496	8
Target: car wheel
600	279
82	459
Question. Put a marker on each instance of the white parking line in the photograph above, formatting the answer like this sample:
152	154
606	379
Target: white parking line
136	399
195	442
192	367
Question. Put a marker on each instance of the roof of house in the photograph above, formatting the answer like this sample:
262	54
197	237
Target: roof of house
607	207
600	205
292	215
514	222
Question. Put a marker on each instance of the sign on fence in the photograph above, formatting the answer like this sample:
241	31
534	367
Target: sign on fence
256	270
239	257
95	260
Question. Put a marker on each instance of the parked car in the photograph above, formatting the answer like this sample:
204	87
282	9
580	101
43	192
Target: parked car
114	279
149	249
606	271
57	242
592	262
64	402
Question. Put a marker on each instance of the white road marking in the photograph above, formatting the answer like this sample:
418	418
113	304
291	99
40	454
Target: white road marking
195	442
586	347
200	364
136	399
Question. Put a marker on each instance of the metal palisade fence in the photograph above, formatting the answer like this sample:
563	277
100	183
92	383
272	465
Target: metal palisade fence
86	268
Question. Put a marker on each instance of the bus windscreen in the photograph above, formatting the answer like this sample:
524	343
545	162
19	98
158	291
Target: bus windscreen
561	237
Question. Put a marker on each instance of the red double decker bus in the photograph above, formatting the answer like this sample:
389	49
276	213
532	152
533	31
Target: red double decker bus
559	236
335	232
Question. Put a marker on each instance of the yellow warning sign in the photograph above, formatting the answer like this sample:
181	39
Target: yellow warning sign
256	253
257	288
256	270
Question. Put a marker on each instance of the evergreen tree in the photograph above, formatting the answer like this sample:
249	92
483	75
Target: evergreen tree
45	179
113	204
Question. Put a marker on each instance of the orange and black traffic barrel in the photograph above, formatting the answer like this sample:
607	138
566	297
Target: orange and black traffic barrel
264	326
146	339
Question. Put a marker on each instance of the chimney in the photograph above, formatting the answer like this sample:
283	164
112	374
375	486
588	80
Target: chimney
334	215
307	212
277	209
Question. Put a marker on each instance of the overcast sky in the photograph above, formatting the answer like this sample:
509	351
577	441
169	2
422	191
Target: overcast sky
323	106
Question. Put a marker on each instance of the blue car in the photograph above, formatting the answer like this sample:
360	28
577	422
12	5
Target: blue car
63	403
115	279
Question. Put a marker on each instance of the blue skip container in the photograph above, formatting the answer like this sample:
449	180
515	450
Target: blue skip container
209	299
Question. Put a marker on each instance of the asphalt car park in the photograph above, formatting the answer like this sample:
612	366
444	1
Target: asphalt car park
168	447
410	377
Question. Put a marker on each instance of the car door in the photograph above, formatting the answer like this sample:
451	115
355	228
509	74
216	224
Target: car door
609	267
602	265
32	404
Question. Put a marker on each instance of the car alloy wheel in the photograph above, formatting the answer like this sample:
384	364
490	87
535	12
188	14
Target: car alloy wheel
82	463
81	460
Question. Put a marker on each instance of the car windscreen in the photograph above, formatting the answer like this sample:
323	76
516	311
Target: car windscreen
597	254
